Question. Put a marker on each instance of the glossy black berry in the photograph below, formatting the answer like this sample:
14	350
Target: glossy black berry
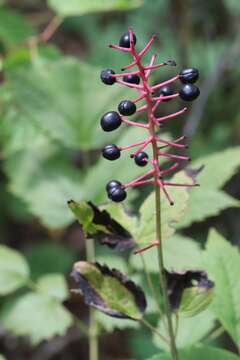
111	152
117	194
111	184
189	92
127	107
189	75
166	91
133	79
141	158
125	40
110	121
106	77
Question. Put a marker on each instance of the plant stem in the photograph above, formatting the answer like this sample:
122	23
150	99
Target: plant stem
151	123
162	278
93	330
150	284
153	329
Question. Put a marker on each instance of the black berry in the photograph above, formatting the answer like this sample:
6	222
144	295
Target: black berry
106	76
111	184
189	75
189	92
133	79
125	40
111	152
127	107
166	91
141	158
117	194
110	121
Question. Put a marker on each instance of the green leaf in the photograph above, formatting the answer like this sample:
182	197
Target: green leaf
195	299
180	252
99	225
45	180
200	353
223	263
14	271
211	179
14	28
118	212
109	323
55	97
188	333
170	215
46	257
54	285
206	202
81	7
2	357
38	316
108	290
214	174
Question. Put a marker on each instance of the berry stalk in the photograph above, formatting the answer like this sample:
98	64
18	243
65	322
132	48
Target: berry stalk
151	122
139	80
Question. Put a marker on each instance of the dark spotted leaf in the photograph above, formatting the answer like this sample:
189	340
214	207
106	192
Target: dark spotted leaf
98	224
189	291
108	290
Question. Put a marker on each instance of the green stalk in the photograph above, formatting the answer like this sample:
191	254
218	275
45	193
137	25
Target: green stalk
93	329
162	277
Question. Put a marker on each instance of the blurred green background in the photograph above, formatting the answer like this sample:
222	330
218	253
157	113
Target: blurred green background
51	100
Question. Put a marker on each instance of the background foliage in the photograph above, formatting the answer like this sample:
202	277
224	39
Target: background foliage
51	100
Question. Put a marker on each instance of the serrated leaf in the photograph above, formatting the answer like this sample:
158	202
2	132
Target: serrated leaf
45	180
188	333
37	316
54	285
199	353
14	28
14	271
59	91
98	224
223	263
180	252
81	7
170	215
218	167
108	290
205	202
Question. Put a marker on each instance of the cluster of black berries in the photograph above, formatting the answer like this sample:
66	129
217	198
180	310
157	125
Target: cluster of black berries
112	120
188	91
115	191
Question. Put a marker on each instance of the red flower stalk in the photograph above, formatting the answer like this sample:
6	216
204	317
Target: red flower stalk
139	80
